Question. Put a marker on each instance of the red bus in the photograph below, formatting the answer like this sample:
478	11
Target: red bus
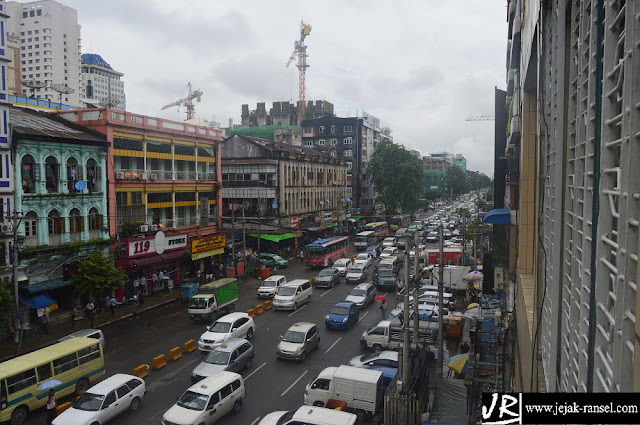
323	252
380	227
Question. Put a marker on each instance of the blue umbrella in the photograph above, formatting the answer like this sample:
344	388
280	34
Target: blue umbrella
49	384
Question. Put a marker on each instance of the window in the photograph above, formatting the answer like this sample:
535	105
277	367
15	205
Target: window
321	129
76	221
321	383
348	140
348	152
134	383
122	198
39	14
29	177
55	223
321	142
122	391
21	380
25	15
65	363
109	399
332	153
136	198
88	354
52	170
333	129
349	165
334	142
44	372
215	398
225	392
308	143
347	129
235	385
93	175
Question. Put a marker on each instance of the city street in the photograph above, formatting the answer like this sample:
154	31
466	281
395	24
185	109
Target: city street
272	384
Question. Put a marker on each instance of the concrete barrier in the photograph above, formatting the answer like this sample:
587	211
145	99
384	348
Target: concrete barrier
267	305
62	407
251	312
141	371
174	354
159	362
258	309
189	346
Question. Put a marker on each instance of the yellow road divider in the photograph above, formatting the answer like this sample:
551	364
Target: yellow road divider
251	312
189	346
174	354
64	406
141	371
159	362
267	305
258	309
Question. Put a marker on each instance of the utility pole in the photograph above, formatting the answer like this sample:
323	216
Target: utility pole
406	343
233	238
244	241
14	253
416	313
464	238
440	308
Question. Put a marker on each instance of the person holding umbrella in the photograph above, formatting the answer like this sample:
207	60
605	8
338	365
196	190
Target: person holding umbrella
51	406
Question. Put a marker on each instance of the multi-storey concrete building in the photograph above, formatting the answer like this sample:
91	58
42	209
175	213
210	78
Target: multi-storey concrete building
434	172
49	47
13	54
296	186
573	180
102	86
283	113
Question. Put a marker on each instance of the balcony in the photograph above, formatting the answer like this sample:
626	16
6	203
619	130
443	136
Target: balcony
248	183
134	174
206	176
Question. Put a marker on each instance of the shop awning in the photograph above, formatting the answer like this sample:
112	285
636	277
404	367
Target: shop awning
356	218
38	301
498	216
47	285
330	225
274	238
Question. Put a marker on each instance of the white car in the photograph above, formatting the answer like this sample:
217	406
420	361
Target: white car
390	241
342	265
362	295
389	252
104	401
232	325
362	260
270	286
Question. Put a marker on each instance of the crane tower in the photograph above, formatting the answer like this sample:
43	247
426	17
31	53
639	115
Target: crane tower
187	101
300	50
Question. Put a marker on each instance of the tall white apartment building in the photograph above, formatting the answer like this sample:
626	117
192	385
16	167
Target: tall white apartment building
50	47
102	86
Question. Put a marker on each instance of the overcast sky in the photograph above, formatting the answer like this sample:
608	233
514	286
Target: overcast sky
421	66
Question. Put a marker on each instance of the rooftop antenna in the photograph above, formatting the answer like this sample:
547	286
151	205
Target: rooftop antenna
33	85
61	89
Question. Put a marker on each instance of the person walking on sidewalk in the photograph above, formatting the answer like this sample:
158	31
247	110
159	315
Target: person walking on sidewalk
112	306
91	312
74	312
301	256
51	406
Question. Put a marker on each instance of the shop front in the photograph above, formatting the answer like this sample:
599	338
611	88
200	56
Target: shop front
206	254
153	263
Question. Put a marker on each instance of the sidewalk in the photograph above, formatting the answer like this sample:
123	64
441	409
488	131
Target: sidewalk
58	330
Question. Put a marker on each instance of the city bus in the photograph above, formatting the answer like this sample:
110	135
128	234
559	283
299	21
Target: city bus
75	363
399	221
365	239
323	252
381	228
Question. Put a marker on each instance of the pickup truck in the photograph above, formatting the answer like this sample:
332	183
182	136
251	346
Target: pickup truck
212	298
387	334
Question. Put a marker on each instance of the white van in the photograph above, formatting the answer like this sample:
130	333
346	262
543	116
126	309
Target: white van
309	415
208	400
292	294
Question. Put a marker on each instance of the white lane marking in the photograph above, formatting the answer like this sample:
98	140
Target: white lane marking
297	310
332	345
294	382
326	292
256	420
257	369
361	317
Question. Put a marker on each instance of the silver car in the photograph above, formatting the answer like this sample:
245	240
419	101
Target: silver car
234	355
298	341
356	274
362	295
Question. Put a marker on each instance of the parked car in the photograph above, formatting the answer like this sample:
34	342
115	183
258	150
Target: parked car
356	274
232	325
362	294
104	401
363	260
328	278
389	252
342	315
309	415
234	355
272	260
386	358
298	341
342	265
388	242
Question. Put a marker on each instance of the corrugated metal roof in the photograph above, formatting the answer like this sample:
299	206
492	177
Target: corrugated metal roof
41	125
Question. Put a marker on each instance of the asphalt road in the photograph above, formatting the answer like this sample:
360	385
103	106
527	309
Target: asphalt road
272	384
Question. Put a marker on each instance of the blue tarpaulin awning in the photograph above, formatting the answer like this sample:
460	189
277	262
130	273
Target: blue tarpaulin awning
498	216
47	285
38	301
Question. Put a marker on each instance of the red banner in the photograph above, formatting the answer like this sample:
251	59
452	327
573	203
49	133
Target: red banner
294	222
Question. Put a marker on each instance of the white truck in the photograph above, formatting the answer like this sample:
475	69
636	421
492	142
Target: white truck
388	334
452	277
212	298
270	286
360	388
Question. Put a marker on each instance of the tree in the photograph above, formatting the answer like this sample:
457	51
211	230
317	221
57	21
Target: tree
478	181
456	180
397	175
433	194
97	275
7	304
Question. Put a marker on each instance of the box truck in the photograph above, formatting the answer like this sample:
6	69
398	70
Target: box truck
213	297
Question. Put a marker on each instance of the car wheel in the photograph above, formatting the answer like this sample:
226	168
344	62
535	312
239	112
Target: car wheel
82	386
318	342
237	405
19	416
318	404
362	415
247	364
135	403
250	333
348	324
309	299
303	356
377	348
295	306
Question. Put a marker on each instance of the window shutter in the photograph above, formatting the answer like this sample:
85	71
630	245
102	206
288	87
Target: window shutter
36	172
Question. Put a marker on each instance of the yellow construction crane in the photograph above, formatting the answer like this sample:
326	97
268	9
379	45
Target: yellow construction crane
187	101
300	50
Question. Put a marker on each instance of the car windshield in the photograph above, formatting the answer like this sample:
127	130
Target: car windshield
217	357
362	257
340	263
88	402
277	258
198	303
269	283
385	273
192	400
365	358
339	310
355	270
433	234
326	273
387	251
357	292
287	291
220	327
286	418
293	336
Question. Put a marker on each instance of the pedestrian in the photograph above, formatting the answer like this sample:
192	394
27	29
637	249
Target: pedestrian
112	306
383	309
141	299
464	347
400	285
221	269
301	256
74	312
154	280
45	323
51	406
91	312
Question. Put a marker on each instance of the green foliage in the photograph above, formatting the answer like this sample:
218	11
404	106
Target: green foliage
129	229
97	275
397	175
456	179
490	195
7	304
478	181
433	194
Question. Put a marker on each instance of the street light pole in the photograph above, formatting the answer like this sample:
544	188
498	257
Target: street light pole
440	308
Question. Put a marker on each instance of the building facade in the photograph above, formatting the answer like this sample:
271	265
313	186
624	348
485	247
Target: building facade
49	47
573	181
296	187
163	187
283	113
434	172
13	54
102	86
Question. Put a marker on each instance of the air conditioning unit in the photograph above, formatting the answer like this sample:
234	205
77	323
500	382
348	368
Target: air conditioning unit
154	227
498	278
153	176
120	175
144	228
143	176
5	229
